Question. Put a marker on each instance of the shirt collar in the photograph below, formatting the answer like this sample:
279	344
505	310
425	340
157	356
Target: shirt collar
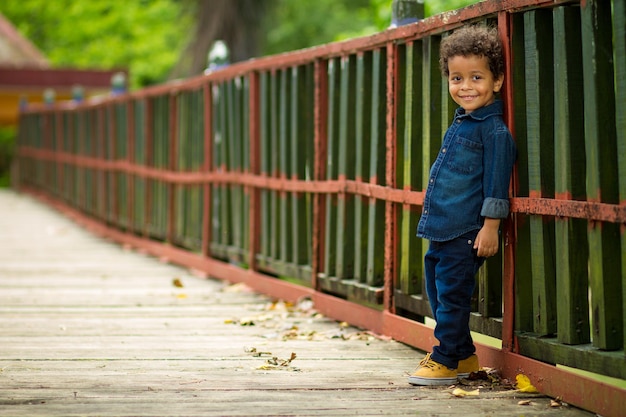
483	113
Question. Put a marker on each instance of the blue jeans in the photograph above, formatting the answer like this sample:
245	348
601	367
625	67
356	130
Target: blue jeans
450	269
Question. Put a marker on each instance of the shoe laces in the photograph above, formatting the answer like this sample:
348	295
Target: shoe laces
427	362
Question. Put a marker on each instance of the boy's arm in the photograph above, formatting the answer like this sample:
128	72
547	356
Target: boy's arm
488	238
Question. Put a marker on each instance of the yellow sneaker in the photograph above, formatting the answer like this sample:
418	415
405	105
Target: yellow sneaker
467	366
430	372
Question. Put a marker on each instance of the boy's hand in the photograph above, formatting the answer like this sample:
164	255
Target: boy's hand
488	239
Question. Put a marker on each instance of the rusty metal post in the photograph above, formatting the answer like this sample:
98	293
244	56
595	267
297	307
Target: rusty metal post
391	233
207	167
319	174
255	169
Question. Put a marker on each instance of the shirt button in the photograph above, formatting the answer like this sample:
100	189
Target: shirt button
432	180
425	211
443	150
458	121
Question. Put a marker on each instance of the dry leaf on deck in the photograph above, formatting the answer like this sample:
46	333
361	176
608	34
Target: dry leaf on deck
458	392
177	283
523	384
523	402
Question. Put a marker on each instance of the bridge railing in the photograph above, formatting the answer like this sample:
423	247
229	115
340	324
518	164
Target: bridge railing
309	167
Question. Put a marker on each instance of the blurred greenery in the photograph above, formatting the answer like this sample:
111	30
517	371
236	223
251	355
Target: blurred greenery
144	36
148	36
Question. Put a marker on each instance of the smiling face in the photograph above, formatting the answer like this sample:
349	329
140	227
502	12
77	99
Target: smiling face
471	83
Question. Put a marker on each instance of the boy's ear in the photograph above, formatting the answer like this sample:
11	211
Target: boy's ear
497	85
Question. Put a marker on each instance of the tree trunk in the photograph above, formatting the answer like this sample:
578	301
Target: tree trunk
236	22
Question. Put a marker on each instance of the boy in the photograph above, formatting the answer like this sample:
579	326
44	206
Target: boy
466	198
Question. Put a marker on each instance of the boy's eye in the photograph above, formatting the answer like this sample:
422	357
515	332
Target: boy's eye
476	77
455	78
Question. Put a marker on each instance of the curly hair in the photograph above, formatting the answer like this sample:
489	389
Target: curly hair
473	40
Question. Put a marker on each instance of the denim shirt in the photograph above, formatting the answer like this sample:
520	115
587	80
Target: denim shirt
469	180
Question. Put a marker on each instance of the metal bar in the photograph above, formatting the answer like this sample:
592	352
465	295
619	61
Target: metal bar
391	236
320	139
207	167
255	169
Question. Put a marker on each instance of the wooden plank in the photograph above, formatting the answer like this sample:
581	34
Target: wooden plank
582	356
523	285
330	231
285	166
413	91
539	124
346	162
601	151
92	328
266	152
376	212
572	250
619	55
301	141
362	148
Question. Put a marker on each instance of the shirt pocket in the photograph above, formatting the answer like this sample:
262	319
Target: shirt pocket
466	156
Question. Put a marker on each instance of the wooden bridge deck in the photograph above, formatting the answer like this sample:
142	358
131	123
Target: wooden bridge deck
88	328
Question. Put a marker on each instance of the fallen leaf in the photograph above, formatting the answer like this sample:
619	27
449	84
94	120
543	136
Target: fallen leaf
523	384
458	392
276	363
177	283
181	296
523	402
555	403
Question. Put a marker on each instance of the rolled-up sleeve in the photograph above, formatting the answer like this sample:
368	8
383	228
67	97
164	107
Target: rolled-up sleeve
498	159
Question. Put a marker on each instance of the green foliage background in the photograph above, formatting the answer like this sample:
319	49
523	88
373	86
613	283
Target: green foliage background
148	36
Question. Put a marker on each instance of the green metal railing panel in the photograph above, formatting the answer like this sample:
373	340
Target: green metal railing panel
265	159
539	120
120	115
362	142
523	286
332	169
571	248
344	268
369	144
375	213
139	157
160	146
230	143
190	158
414	105
302	159
286	124
602	171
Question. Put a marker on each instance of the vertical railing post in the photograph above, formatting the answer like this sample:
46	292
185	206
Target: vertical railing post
390	178
149	152
508	314
207	167
319	171
171	187
255	161
130	159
